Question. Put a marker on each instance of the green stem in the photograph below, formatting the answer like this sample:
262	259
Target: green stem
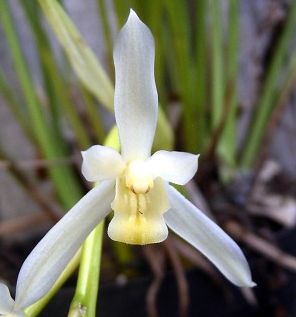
87	287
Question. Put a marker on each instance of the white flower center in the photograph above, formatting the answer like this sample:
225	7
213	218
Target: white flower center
138	177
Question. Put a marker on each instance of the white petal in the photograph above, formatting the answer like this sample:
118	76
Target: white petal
101	163
197	229
6	302
175	167
51	255
135	100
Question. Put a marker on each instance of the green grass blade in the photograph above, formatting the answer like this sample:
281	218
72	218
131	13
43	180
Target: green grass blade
154	18
201	72
227	145
217	63
106	32
266	102
93	116
57	90
122	10
179	25
46	63
82	59
281	102
63	178
16	107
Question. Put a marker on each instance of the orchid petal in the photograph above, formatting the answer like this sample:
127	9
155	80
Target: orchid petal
175	167
135	100
101	163
6	302
51	255
197	229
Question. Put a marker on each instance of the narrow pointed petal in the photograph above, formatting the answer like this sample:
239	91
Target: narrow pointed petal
135	100
6	302
201	232
51	255
101	163
174	167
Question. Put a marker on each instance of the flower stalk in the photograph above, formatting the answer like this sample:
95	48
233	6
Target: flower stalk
86	293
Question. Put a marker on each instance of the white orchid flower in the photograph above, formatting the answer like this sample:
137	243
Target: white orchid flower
134	184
